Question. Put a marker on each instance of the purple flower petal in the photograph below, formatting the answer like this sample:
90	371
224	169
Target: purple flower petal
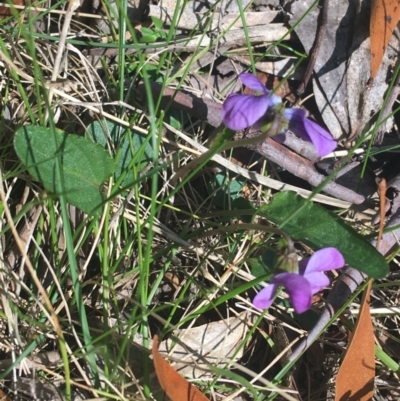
265	297
298	289
317	281
310	131
296	117
323	260
253	82
242	111
273	100
303	265
320	138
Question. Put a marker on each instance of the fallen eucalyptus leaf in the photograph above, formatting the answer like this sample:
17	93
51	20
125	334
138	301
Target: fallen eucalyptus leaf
175	385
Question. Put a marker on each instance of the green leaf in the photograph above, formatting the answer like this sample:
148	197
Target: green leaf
121	140
176	118
148	35
226	189
157	22
148	39
146	31
85	165
262	264
101	131
240	204
162	35
316	226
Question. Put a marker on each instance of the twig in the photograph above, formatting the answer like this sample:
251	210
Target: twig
73	5
210	111
305	170
323	18
258	178
204	109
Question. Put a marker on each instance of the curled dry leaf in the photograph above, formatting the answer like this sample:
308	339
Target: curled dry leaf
176	387
342	69
215	344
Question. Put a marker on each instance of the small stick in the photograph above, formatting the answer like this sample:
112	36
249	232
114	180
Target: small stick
323	19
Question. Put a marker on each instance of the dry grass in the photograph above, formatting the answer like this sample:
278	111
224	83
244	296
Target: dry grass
147	264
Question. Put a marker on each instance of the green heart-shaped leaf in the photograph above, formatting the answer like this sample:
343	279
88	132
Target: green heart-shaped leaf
130	145
84	164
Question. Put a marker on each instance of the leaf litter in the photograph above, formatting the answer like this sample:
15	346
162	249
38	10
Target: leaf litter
344	99
186	281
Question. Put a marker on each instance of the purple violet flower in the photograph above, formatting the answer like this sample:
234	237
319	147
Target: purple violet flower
303	285
242	111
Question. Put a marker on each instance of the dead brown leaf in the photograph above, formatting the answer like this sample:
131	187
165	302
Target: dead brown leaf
176	387
385	14
355	380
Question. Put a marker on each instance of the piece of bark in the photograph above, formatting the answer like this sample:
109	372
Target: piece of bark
235	37
330	66
190	19
269	33
364	101
218	341
279	68
260	18
387	125
230	6
204	109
